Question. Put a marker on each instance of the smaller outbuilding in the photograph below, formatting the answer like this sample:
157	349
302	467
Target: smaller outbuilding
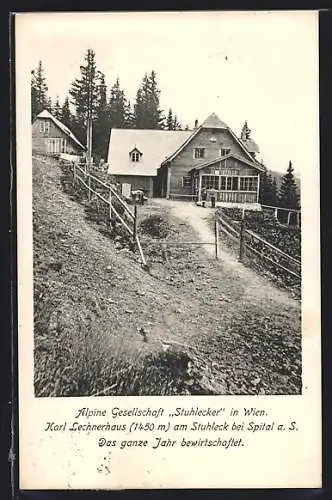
51	136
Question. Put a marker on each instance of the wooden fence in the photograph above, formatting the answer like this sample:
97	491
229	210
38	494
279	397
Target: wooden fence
252	244
107	193
287	216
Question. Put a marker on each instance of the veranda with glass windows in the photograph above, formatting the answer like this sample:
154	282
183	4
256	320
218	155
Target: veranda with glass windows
239	185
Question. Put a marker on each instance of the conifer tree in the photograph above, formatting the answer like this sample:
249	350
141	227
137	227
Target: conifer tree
274	193
66	116
118	106
147	108
85	94
49	105
170	120
102	121
176	124
57	109
129	116
39	98
246	132
265	187
288	194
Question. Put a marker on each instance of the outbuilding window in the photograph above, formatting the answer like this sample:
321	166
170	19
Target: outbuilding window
45	126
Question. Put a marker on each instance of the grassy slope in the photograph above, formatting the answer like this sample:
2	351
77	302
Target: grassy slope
91	299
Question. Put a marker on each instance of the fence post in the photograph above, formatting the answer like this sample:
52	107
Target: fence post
216	237
135	221
89	189
110	201
288	217
74	173
242	242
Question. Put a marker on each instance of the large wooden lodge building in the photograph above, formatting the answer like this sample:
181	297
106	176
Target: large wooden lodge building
183	164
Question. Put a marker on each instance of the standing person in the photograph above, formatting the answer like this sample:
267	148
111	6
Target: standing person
204	196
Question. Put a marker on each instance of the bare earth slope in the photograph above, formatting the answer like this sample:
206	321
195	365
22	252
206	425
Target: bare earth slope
208	327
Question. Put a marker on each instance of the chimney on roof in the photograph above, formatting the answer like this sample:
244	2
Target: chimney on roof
196	123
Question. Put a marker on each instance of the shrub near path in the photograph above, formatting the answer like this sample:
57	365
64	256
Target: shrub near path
105	326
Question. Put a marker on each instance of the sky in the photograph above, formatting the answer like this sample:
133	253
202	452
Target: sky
256	66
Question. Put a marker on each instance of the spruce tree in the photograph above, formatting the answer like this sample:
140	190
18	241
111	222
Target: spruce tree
85	94
49	105
39	99
57	112
129	116
66	116
288	194
102	121
169	120
176	124
246	132
274	193
265	187
118	107
147	108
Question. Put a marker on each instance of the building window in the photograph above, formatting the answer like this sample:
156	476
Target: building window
45	126
55	146
225	151
226	183
186	181
210	182
248	183
135	156
199	153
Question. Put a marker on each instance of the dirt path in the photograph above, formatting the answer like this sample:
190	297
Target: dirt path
199	219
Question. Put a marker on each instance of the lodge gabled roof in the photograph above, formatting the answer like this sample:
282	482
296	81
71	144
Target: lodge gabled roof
60	125
211	122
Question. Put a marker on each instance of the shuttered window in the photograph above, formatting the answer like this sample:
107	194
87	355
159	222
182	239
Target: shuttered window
186	181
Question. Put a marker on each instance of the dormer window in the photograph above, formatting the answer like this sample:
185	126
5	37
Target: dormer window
135	155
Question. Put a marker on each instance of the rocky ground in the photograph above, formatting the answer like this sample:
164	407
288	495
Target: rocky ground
104	325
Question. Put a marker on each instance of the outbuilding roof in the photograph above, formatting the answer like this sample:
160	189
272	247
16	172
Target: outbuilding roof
155	146
60	125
